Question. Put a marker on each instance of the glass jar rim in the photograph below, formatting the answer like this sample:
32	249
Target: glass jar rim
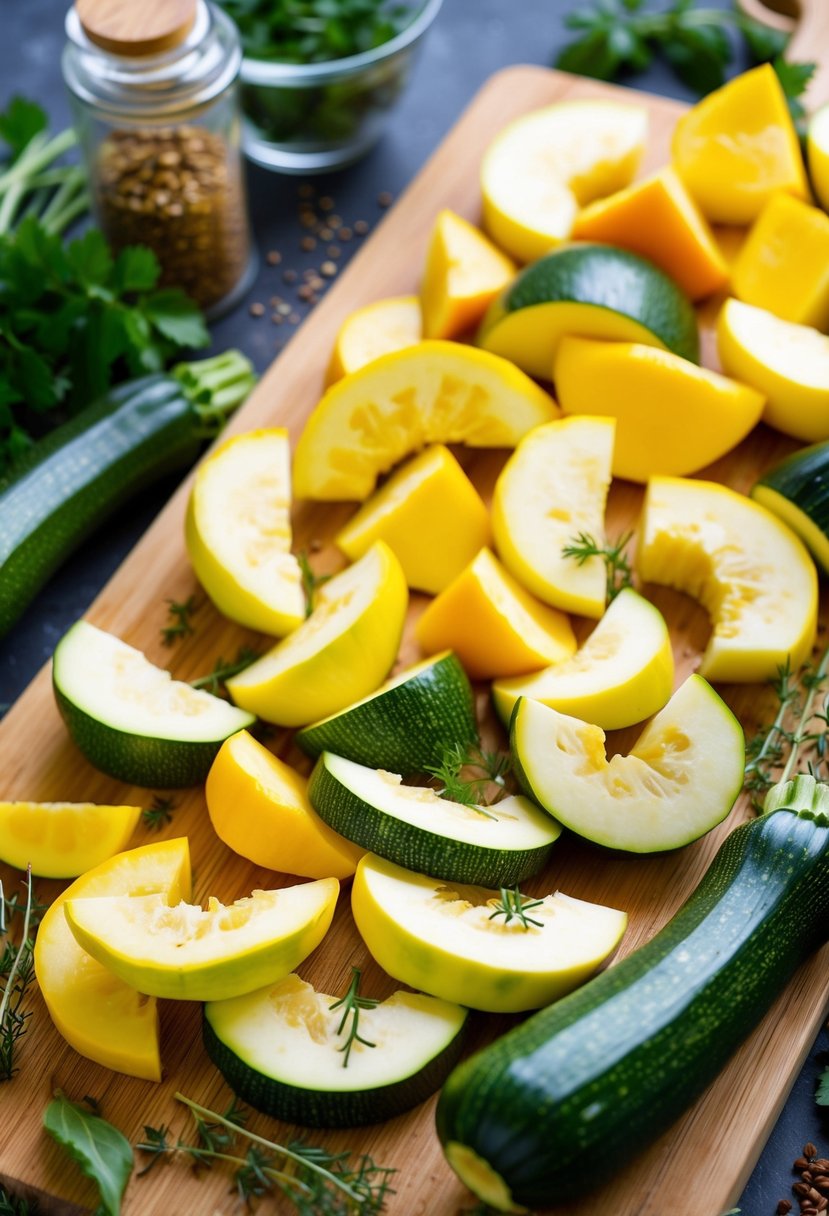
272	72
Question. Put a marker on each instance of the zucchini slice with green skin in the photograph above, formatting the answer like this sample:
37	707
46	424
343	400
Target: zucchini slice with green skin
570	1096
72	480
130	719
490	846
280	1049
405	725
797	491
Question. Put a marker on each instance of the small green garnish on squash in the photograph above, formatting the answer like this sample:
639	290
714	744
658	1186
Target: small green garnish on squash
351	1004
617	565
512	905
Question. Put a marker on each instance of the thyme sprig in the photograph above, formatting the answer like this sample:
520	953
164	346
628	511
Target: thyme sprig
159	813
179	624
311	582
224	670
316	1181
512	905
351	1004
618	570
799	728
17	973
458	784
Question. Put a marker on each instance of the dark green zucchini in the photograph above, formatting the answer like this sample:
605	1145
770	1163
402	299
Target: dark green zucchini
70	481
568	1097
797	491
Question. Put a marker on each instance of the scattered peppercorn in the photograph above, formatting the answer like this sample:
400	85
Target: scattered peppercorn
384	199
307	244
326	203
326	233
257	310
273	257
344	234
306	190
361	227
333	251
290	276
329	269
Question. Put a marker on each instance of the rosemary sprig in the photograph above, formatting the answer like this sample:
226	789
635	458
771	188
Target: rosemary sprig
159	813
793	732
17	973
617	565
316	1181
223	670
311	582
179	624
351	1004
515	906
457	785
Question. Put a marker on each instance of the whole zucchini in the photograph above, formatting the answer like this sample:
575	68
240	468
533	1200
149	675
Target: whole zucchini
69	482
575	1091
797	491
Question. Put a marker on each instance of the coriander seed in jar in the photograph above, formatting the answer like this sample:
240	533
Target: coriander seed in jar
154	93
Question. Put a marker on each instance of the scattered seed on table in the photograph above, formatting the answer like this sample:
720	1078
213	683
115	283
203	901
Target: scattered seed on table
307	218
326	233
283	309
344	234
361	227
257	310
294	318
290	276
308	243
326	203
329	269
276	301
384	199
273	257
277	318
333	251
305	292
335	221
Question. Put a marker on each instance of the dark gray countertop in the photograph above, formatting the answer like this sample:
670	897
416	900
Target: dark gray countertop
471	40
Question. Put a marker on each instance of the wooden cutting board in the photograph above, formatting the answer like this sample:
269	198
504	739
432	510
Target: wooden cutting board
725	1130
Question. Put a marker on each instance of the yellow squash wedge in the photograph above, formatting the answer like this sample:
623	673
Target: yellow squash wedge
747	569
788	363
442	938
553	487
99	1015
435	392
63	839
818	149
464	272
259	807
238	532
784	264
671	415
343	651
191	954
738	146
374	330
621	675
494	626
429	514
542	167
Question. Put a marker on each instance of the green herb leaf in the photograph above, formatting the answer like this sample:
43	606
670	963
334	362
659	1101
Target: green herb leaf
20	122
794	77
136	269
764	43
177	317
101	1151
90	259
822	1095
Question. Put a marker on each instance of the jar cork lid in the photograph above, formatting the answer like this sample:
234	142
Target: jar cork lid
132	29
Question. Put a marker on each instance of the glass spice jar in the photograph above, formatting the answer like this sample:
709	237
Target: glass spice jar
153	88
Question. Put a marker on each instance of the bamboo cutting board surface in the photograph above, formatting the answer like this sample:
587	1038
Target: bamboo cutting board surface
725	1130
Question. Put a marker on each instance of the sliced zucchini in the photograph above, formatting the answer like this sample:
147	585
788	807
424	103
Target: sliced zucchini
414	827
406	724
797	491
131	719
281	1050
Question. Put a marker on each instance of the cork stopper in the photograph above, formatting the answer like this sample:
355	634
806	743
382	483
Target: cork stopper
127	28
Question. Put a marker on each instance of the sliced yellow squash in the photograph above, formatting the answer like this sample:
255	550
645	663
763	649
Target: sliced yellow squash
543	166
343	651
191	954
788	363
621	675
494	626
238	532
784	264
436	392
707	416
99	1015
464	272
553	487
374	330
747	569
63	839
259	807
429	514
818	148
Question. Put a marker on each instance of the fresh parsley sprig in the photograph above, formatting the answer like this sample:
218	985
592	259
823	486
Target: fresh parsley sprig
351	1004
615	36
317	1181
617	564
315	31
